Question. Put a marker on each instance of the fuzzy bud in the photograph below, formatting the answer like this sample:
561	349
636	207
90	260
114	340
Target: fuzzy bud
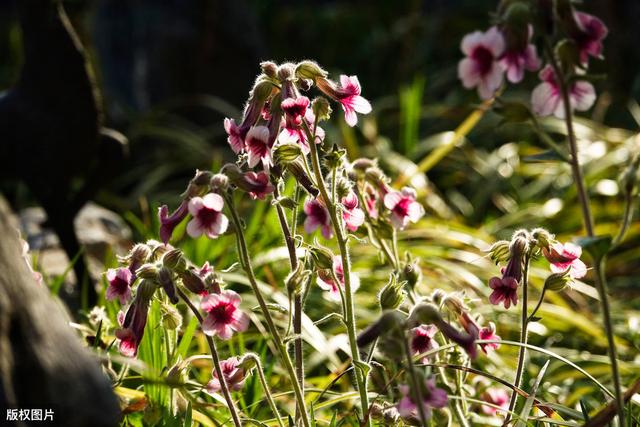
321	108
219	183
296	169
174	260
375	177
198	185
146	289
362	164
542	238
309	70
148	271
392	295
192	281
296	279
175	374
411	273
269	69
171	318
139	254
499	251
454	304
322	256
286	153
389	323
424	313
558	281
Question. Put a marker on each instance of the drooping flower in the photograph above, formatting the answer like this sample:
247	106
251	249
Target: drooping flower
258	146
297	135
505	290
546	98
326	282
207	215
234	135
258	184
352	215
133	324
481	68
119	284
169	222
224	316
348	95
588	36
422	340
295	110
563	257
403	207
233	374
517	59
433	397
495	396
317	217
489	333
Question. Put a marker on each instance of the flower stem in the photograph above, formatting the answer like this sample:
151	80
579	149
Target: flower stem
245	260
349	317
297	304
216	361
265	387
599	264
415	383
524	335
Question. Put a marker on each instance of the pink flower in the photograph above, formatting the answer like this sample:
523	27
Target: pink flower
169	222
496	396
317	217
133	324
295	110
296	135
119	284
563	257
481	68
233	375
422	340
234	138
259	184
515	60
403	207
326	282
348	95
258	146
489	333
546	98
589	35
505	290
352	215
433	397
223	315
207	216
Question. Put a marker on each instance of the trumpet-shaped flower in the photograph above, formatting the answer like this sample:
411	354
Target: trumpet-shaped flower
233	374
224	316
422	339
119	284
234	136
562	257
258	146
352	215
516	60
403	207
481	68
589	35
546	98
326	281
317	217
207	215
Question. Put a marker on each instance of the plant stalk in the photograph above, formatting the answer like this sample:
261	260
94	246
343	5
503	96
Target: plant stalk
265	387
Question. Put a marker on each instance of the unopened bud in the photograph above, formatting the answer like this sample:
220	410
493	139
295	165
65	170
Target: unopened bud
362	164
389	323
296	169
175	374
322	256
286	153
286	72
375	177
438	296
321	108
542	237
198	185
499	251
454	304
146	289
270	69
148	271
558	281
392	295
165	277
248	362
139	254
309	70
171	318
296	279
174	260
424	313
412	273
219	183
192	281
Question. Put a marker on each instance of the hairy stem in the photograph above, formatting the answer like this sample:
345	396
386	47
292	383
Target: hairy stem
216	361
415	383
343	243
245	260
265	387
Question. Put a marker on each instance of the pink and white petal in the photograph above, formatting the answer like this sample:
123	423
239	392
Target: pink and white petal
531	61
578	269
111	274
231	297
326	231
241	321
218	227
213	201
355	282
209	302
470	41
544	100
361	105
349	115
406	408
111	293
467	73
571	250
194	228
494	41
195	204
583	95
415	212
325	286
391	199
224	332
311	224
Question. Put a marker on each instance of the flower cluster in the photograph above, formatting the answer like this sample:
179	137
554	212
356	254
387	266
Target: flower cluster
506	49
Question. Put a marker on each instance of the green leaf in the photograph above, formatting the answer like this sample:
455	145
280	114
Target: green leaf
528	404
543	157
596	246
187	416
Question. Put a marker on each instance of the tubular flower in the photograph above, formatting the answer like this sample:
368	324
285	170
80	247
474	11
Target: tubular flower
403	207
224	316
588	36
516	60
207	215
234	136
495	396
119	284
169	222
234	376
326	281
352	215
422	340
433	397
258	184
317	217
546	98
348	95
563	257
258	146
480	68
133	324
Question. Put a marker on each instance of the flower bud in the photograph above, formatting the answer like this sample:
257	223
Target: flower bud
305	84
286	153
139	254
174	260
175	374
309	70
389	323
165	278
558	281
148	271
362	164
499	251
192	281
269	69
322	256
248	362
424	313
392	295
296	169
296	279
198	185
171	318
219	183
286	72
412	274
321	108
375	177
542	237
438	296
145	290
454	304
